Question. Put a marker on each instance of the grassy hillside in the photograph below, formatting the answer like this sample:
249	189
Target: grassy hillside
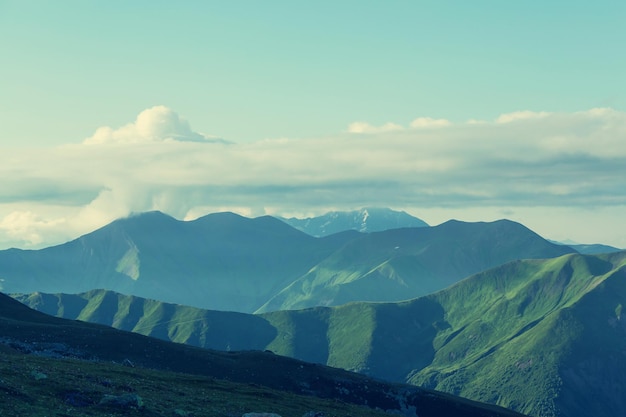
51	366
396	265
544	337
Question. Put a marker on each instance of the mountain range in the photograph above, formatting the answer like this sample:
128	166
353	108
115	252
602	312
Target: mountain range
544	337
227	262
51	366
399	264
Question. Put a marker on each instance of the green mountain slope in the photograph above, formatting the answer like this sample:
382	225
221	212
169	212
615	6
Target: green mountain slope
544	337
50	365
399	264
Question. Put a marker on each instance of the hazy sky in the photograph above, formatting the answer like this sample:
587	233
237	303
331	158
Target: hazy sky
476	110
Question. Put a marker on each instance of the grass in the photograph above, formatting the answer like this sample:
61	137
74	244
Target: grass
37	387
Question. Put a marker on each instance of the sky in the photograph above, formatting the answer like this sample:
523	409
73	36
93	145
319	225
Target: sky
445	109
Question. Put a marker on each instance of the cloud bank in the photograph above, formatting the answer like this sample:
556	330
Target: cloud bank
519	161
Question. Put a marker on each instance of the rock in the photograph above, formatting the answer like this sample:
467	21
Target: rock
38	375
314	414
122	401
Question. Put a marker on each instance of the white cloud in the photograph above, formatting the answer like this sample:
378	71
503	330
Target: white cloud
520	115
419	123
27	227
429	122
155	124
364	127
574	160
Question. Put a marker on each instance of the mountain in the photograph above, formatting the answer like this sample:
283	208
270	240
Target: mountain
594	249
231	263
588	249
399	264
221	261
365	220
51	365
544	337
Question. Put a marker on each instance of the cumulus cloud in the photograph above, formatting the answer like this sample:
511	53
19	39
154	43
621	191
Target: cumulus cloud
155	124
573	160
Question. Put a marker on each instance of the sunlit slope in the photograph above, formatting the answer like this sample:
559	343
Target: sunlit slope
406	263
512	333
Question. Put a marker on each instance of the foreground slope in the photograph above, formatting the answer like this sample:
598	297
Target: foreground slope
34	376
221	261
543	337
399	264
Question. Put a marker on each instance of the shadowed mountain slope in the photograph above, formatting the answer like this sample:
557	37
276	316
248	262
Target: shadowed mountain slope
543	337
365	220
33	340
406	263
221	261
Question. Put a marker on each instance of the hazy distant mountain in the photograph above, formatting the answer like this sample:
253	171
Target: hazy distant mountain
593	249
221	261
543	337
364	220
406	263
227	262
165	378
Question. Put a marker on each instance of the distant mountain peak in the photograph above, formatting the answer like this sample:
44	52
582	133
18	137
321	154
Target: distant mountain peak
365	220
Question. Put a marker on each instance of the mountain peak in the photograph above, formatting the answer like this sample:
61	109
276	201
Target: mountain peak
365	220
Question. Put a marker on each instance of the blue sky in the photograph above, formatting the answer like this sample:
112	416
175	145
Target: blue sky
311	79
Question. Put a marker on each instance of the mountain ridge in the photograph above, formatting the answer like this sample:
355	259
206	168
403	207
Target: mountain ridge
532	335
56	346
227	262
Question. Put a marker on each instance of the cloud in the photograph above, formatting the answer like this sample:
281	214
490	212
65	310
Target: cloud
573	160
429	122
419	123
28	227
520	115
155	124
364	127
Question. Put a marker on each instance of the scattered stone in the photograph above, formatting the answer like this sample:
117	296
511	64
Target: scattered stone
122	401
38	375
260	415
314	414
